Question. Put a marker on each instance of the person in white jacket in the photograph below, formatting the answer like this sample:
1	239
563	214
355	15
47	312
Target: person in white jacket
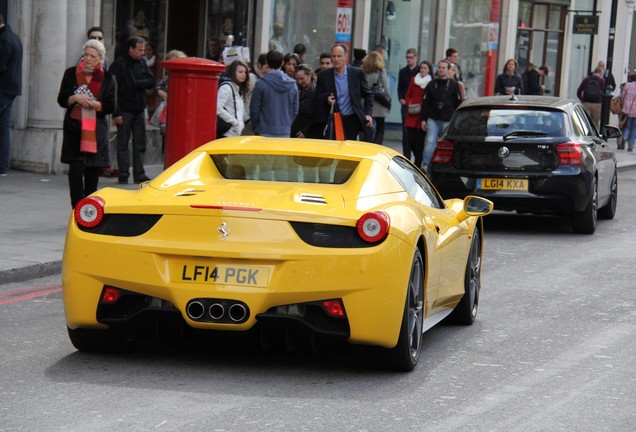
230	102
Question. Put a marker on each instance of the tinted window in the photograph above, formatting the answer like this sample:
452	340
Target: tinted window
414	183
284	168
483	121
582	121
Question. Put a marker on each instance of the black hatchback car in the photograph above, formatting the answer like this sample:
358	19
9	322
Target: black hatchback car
530	154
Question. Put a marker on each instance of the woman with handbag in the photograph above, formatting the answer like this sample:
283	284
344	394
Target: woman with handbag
373	67
230	102
413	98
89	94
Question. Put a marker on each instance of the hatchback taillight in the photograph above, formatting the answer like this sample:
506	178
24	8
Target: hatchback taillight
570	154
443	152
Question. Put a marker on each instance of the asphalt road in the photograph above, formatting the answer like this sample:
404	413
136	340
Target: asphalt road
553	349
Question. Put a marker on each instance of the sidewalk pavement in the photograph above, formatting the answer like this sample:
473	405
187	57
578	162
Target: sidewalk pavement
35	210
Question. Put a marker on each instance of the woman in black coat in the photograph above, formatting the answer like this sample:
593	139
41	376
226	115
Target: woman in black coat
509	82
89	94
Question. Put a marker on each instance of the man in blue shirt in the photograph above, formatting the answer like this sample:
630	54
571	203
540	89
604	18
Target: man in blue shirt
347	86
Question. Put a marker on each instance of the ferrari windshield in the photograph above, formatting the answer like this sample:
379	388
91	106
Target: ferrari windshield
284	168
487	121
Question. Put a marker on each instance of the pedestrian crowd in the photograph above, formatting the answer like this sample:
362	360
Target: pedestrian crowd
280	95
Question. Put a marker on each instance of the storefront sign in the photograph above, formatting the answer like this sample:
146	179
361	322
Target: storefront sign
344	17
585	24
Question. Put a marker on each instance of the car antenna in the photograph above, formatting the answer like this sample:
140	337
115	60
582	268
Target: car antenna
513	98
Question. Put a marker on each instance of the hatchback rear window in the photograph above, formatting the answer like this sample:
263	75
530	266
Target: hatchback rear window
485	121
284	168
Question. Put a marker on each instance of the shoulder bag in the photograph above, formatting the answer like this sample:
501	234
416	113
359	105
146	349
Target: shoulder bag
221	125
380	94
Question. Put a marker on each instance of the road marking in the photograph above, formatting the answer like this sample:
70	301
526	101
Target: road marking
30	293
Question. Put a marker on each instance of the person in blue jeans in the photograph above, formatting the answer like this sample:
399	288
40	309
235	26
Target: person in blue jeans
10	87
628	95
442	96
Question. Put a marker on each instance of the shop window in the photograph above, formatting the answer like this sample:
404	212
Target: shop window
141	18
470	36
398	25
540	40
298	21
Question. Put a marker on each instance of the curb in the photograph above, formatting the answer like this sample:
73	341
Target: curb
33	271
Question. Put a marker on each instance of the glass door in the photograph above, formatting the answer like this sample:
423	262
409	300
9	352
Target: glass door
540	40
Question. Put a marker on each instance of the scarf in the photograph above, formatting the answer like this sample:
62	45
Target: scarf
422	81
88	141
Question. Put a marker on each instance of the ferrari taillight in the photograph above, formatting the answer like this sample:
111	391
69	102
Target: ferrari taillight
570	154
373	227
334	308
443	152
89	212
110	295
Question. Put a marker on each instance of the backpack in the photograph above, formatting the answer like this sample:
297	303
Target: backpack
592	91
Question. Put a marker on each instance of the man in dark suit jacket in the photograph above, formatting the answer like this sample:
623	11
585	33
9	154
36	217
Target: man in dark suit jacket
347	86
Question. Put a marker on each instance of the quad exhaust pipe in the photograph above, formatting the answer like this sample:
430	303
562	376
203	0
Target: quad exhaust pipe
237	312
195	310
217	311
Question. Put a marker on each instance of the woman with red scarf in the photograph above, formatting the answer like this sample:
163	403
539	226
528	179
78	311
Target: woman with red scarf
89	94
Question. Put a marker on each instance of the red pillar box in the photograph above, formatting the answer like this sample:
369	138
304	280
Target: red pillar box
192	88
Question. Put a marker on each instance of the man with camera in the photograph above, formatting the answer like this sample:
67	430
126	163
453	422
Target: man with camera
441	98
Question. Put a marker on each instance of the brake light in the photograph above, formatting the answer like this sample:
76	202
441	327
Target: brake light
570	154
110	295
443	152
334	308
373	227
89	212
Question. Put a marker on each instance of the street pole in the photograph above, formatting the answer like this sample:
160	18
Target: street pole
608	91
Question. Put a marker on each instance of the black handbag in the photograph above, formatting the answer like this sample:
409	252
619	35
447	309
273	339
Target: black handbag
221	125
380	94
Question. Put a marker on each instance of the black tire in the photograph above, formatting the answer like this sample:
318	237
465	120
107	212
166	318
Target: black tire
465	312
585	222
609	210
98	340
405	355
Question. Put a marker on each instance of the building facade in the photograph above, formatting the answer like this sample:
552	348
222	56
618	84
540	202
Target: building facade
485	33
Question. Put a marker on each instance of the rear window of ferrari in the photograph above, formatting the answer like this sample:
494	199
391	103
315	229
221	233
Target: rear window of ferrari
284	168
488	121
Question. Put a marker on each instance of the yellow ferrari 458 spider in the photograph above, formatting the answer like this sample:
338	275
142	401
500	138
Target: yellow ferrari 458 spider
315	239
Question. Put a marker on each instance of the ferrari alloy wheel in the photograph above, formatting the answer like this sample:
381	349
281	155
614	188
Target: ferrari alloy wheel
97	340
465	312
609	210
584	222
406	353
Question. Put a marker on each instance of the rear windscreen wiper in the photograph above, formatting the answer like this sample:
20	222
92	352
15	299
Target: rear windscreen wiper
517	133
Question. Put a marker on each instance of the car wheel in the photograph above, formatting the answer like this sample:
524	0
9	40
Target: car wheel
585	222
98	340
406	353
609	210
465	312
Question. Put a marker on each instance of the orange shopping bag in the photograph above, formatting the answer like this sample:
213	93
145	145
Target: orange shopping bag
337	126
334	129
